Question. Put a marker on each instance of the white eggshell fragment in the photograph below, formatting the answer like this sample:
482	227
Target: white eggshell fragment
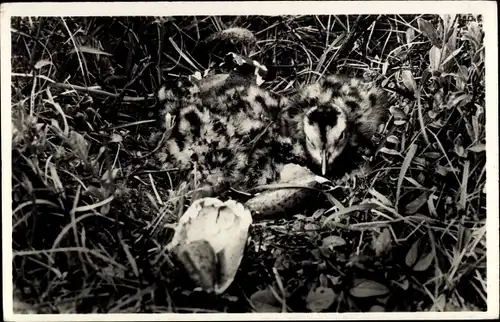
224	225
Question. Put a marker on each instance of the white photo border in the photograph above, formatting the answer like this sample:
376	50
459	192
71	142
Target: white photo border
488	9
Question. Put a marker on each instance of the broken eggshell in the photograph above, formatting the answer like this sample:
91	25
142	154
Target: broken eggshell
209	241
282	200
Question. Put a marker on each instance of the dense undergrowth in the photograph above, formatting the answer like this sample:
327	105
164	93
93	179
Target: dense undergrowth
89	208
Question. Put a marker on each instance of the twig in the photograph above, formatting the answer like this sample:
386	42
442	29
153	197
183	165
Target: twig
361	23
121	96
127	124
35	45
100	92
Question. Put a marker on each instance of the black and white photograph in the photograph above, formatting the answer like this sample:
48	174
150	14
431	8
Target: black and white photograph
267	158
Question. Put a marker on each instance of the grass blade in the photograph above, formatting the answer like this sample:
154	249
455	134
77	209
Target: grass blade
404	168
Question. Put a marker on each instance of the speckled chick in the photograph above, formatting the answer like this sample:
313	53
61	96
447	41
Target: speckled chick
334	119
226	128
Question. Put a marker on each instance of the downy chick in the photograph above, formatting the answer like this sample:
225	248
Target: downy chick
225	128
334	119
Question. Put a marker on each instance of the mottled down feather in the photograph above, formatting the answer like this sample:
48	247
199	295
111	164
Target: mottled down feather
228	131
240	135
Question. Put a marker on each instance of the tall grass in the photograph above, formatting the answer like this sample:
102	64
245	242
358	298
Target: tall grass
89	209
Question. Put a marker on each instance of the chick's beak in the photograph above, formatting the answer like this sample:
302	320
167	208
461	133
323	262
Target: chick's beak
323	162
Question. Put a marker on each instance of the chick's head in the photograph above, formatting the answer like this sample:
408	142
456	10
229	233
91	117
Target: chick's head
326	132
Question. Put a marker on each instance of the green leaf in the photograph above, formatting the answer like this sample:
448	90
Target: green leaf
470	130
323	280
79	144
473	33
264	301
475	126
463	71
438	98
389	151
367	288
424	263
432	155
320	299
393	139
406	165
448	21
459	101
311	229
416	204
398	113
335	280
55	127
55	178
459	150
428	30
409	81
57	106
333	241
91	50
439	304
359	207
443	171
181	53
435	58
130	258
410	35
385	66
380	197
41	63
404	284
377	308
411	256
453	54
116	138
478	147
383	242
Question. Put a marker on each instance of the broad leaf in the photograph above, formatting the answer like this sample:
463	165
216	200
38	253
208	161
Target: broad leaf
333	241
393	139
435	58
79	144
264	301
411	256
428	29
409	81
450	56
398	113
416	204
41	63
410	35
382	243
91	50
479	147
320	299
367	288
406	165
424	263
389	151
116	138
377	308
